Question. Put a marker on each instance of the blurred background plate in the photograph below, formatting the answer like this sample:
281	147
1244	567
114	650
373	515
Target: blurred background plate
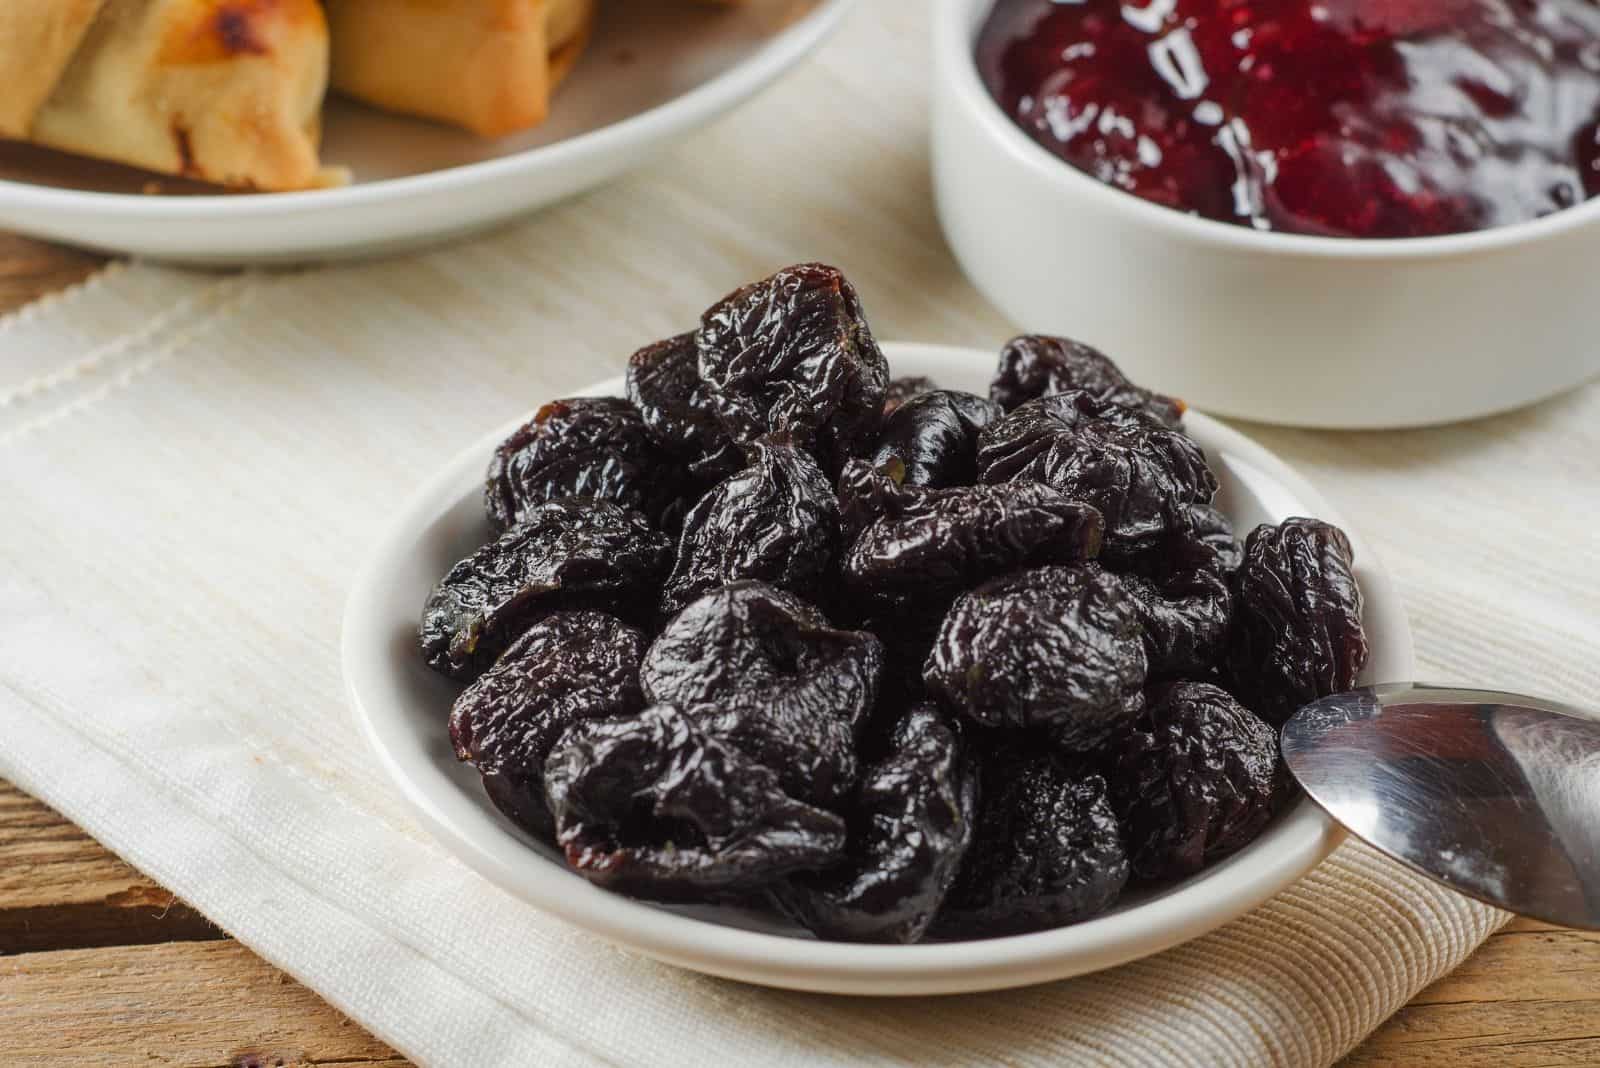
653	73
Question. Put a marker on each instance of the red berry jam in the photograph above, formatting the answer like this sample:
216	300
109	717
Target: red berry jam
1352	118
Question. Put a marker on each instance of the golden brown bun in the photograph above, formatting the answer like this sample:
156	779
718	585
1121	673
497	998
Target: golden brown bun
487	65
567	21
37	39
224	91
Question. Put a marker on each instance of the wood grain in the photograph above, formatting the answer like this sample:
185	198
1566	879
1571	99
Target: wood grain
60	890
31	269
160	984
1529	997
180	1004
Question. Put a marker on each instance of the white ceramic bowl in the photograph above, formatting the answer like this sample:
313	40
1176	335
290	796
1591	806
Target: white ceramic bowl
652	74
402	707
1281	328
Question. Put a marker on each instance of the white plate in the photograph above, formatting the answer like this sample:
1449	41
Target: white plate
402	707
652	73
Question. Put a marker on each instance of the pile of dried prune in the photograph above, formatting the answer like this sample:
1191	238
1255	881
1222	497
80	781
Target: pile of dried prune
897	660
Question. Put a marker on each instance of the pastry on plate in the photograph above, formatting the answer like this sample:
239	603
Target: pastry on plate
487	65
223	91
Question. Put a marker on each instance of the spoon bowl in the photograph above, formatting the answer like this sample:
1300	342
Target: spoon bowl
1496	795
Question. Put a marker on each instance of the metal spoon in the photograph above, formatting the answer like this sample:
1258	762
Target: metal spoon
1493	794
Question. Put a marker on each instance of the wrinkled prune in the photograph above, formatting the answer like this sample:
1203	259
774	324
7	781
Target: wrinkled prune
910	825
776	681
1198	781
865	495
664	384
565	553
1124	461
1054	647
1297	610
907	626
777	520
906	642
1211	527
657	806
944	541
1047	850
582	447
912	550
1036	366
1184	620
903	389
793	354
569	666
934	438
1184	605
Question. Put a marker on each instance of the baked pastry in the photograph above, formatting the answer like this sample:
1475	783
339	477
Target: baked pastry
230	91
215	90
487	65
37	38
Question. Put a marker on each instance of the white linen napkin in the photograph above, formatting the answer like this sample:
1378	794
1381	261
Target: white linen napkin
193	465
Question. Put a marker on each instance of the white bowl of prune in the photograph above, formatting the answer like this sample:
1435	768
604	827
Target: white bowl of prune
1349	215
894	669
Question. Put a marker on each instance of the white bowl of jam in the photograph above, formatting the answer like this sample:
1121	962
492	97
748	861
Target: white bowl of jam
1332	213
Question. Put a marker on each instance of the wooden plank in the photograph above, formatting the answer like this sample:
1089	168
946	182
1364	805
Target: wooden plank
59	889
1526	1034
181	1005
1529	997
30	269
1527	962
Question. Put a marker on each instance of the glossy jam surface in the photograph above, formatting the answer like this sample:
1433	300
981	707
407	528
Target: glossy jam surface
1352	118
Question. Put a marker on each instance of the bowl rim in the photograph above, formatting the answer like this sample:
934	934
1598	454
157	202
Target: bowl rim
956	74
1301	838
787	46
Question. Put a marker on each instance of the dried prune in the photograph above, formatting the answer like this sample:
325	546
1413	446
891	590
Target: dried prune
907	625
569	666
913	549
1047	850
1185	606
657	806
664	384
1184	620
903	388
909	827
919	656
1209	525
572	552
1054	647
793	354
762	669
1198	781
865	495
948	540
1140	473
1297	609
582	447
1037	365
777	520
934	438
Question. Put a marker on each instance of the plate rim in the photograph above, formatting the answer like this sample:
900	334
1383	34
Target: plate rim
685	111
1303	837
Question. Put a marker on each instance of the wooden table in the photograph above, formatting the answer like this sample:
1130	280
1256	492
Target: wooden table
100	966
